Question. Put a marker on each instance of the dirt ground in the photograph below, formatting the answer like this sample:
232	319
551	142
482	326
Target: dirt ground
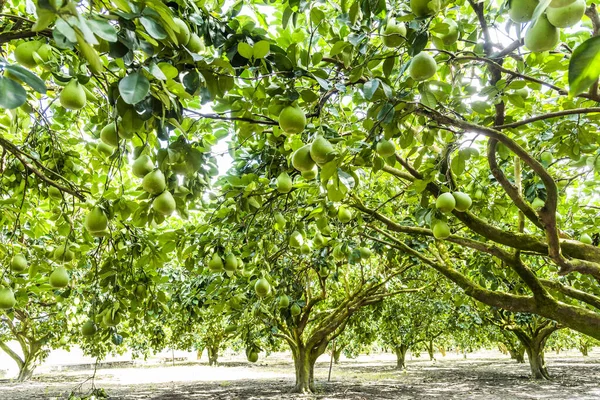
488	375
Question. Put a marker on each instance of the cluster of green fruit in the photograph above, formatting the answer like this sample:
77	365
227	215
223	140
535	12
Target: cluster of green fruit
33	53
544	34
314	154
231	264
284	302
446	203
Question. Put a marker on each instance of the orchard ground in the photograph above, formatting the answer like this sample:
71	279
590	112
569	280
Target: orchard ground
484	375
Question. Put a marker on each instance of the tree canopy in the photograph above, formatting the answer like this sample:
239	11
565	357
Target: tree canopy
375	147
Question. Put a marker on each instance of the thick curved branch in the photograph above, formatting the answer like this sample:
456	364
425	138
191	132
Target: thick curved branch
510	189
569	291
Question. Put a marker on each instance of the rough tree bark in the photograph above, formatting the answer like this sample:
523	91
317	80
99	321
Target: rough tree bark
401	356
26	364
534	342
213	355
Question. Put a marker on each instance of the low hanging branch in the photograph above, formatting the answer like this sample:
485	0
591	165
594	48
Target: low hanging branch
15	151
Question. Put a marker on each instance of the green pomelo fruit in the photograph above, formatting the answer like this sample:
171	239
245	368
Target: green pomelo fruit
231	263
89	328
295	310
365	252
182	32
252	356
309	175
164	203
542	35
24	53
284	301
59	278
284	183
422	67
196	44
463	201
7	298
262	287
394	34
96	220
63	253
586	239
109	135
344	215
292	119
386	148
142	166
18	263
451	36
72	97
522	10
154	182
54	193
445	202
301	159
568	15
216	263
424	8
321	150
441	230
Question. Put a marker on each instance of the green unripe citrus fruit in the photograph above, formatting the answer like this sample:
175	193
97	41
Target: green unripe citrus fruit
365	252
422	67
142	166
231	263
18	263
284	183
321	150
344	215
182	32
295	310
284	301
72	97
463	201
215	264
54	193
24	53
262	287
195	45
309	175
280	219
111	319
424	8
301	159
7	298
59	278
451	36
164	203
252	356
537	203
386	148
522	10
154	182
542	35
445	202
319	240
63	253
586	239
292	119
567	15
96	220
89	328
394	34
441	230
547	157
109	135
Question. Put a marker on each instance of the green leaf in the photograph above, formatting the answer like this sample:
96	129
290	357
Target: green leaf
584	67
12	95
261	49
134	88
370	88
539	10
103	30
153	28
245	50
28	77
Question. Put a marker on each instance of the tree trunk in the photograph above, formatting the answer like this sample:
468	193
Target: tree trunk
213	355
584	349
304	364
401	356
430	350
199	353
535	354
337	353
26	372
